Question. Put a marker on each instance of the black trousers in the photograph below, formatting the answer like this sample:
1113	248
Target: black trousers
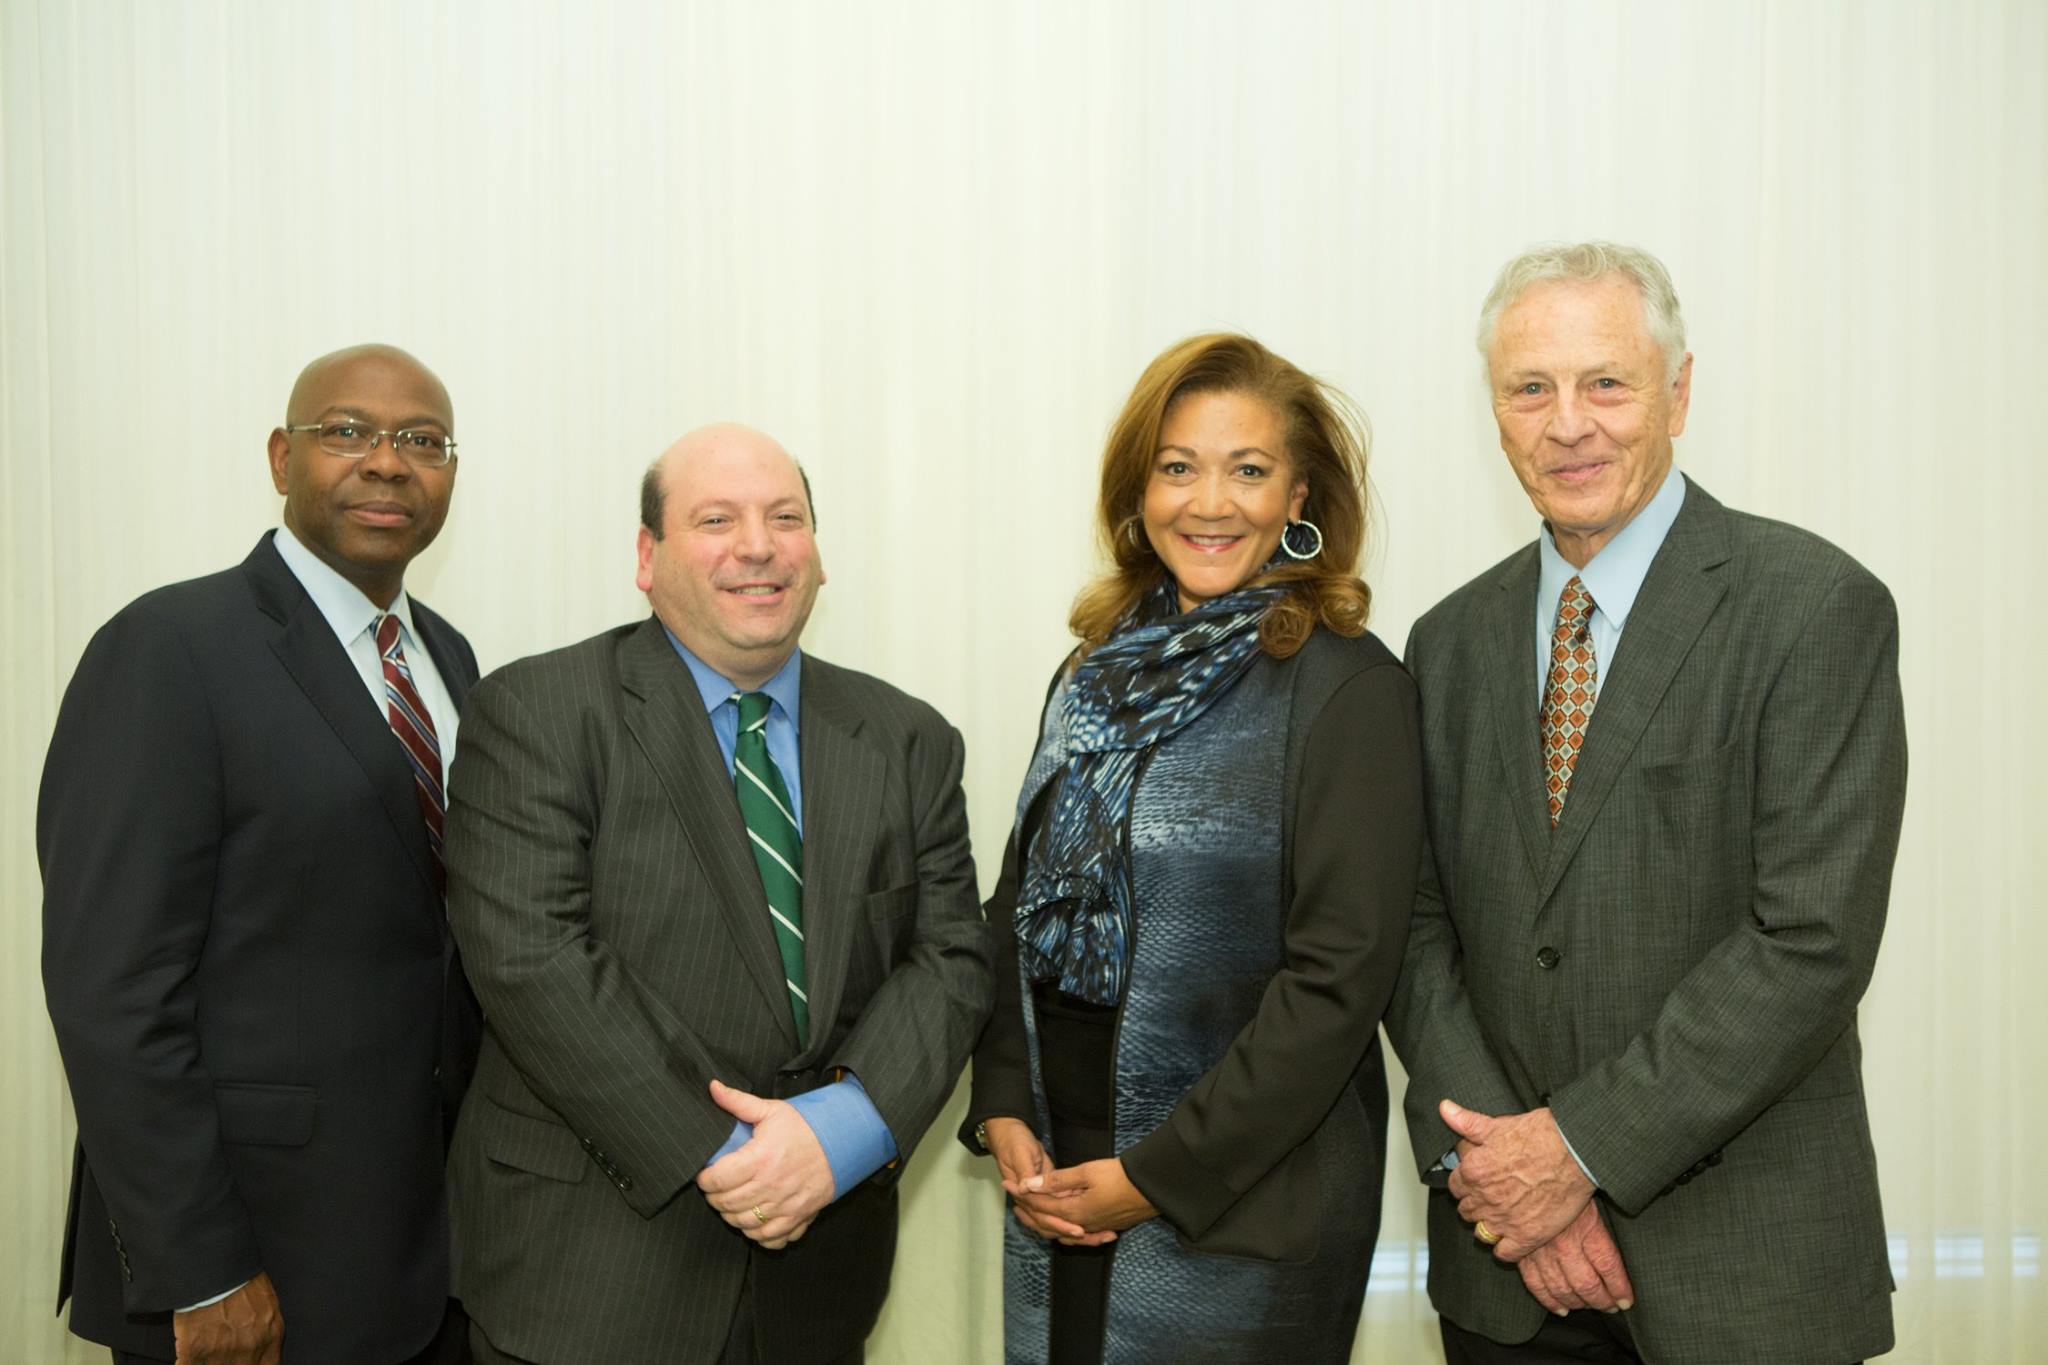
450	1345
1076	1046
1584	1335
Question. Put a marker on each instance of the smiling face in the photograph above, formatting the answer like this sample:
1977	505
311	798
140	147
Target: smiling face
1585	411
1221	491
367	518
736	568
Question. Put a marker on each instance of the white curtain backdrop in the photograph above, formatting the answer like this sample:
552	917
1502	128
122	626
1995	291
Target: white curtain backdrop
930	246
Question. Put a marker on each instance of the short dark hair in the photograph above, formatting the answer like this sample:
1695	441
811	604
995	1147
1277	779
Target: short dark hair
654	498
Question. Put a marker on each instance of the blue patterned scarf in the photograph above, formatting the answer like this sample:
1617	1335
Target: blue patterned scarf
1153	677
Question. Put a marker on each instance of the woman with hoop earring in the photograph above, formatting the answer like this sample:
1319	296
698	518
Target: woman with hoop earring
1206	895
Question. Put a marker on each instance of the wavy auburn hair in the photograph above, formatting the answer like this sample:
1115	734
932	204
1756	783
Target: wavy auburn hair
1327	440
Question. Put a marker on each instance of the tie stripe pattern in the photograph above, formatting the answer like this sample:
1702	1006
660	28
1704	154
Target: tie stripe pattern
1569	692
415	731
778	847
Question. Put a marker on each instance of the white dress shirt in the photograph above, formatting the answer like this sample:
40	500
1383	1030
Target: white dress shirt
353	618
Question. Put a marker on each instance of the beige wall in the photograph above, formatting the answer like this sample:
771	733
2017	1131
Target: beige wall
930	246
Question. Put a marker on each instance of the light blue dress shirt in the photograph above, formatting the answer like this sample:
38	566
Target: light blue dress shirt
1614	578
353	619
857	1142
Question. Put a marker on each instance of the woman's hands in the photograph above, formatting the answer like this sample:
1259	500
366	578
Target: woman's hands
1084	1205
1051	1211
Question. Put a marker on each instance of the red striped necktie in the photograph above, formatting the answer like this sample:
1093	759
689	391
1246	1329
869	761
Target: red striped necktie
415	730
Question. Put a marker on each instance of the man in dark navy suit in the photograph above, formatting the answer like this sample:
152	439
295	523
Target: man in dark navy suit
245	950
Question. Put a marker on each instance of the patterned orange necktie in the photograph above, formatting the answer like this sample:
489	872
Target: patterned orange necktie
1568	695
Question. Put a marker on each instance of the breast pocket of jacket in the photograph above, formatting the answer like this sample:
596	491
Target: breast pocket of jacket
1701	805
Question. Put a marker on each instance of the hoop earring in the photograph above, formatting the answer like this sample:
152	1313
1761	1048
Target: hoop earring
1135	536
1288	539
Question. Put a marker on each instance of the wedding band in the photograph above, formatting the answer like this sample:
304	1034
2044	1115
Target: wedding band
759	1216
1479	1230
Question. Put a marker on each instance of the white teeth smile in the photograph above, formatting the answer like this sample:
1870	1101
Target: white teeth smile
1213	540
757	590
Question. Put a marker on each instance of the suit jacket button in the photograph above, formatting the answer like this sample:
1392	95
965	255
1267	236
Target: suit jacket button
1548	957
1714	1160
625	1182
1685	1177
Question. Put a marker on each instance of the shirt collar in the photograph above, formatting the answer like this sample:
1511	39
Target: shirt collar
716	689
1615	575
341	602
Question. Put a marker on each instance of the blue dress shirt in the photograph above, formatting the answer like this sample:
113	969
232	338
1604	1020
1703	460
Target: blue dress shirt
1614	577
845	1121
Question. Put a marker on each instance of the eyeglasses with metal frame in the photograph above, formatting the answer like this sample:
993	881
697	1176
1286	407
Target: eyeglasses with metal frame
422	446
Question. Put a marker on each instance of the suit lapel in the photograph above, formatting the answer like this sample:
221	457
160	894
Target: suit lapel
841	775
317	662
1511	671
1679	594
665	714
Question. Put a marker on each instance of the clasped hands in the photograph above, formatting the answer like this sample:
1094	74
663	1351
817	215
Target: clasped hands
1515	1175
1078	1206
774	1184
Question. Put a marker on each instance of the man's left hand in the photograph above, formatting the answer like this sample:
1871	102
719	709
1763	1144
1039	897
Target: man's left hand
1096	1195
1517	1177
776	1182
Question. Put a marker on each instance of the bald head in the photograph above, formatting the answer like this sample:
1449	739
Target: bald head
697	450
727	558
369	513
340	371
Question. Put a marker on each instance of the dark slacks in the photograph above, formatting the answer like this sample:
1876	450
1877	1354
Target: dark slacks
450	1345
1077	1043
740	1346
1584	1335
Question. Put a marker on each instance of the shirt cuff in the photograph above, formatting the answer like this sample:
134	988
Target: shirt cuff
1583	1168
850	1129
224	1294
733	1142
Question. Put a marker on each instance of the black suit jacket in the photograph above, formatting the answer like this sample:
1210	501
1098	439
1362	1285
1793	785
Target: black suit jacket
249	970
607	902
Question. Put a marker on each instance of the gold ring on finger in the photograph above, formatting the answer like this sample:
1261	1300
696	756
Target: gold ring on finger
759	1216
1482	1232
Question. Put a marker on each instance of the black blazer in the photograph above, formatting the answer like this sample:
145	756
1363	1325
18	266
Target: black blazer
250	973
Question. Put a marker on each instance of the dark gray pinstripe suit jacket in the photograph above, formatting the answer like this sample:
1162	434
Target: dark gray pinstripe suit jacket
614	928
1676	968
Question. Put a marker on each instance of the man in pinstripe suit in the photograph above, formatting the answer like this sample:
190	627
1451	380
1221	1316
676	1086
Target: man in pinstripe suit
1665	760
717	901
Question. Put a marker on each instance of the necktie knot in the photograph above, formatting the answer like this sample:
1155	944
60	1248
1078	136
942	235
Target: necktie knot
1574	610
387	633
753	709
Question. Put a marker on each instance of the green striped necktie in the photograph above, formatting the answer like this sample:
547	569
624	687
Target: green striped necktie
778	847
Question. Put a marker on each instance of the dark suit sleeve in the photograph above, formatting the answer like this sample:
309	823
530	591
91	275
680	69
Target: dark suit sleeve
1759	1010
129	828
1002	1059
915	1033
1430	1020
1358	824
604	1053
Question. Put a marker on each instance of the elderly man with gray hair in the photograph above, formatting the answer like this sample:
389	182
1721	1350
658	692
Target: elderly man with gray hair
1666	764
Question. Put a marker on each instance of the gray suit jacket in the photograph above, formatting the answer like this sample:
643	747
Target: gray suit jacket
609	911
1675	969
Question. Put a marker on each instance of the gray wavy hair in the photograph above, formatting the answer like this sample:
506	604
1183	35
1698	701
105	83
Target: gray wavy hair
1589	261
